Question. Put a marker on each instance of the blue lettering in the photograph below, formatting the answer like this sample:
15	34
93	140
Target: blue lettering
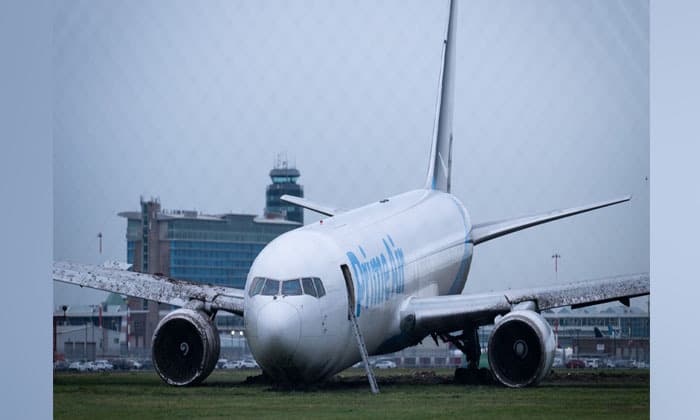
378	278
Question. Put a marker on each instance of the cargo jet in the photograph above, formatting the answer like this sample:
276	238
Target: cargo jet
368	281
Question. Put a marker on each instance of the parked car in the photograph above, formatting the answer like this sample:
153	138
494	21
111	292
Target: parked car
249	364
624	363
640	365
60	365
101	365
385	364
78	366
120	364
575	364
236	364
146	364
592	363
125	364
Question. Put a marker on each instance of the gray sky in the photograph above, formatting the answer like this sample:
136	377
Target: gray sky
190	102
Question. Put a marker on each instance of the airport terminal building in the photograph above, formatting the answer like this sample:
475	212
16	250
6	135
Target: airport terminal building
186	245
214	249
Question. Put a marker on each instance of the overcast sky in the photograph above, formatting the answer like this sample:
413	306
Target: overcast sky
190	102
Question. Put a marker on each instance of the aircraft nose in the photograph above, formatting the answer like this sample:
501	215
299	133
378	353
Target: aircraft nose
279	331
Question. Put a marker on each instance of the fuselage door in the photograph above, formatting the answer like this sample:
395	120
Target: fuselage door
350	288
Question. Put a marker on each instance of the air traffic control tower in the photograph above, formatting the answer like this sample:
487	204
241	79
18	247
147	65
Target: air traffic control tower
284	181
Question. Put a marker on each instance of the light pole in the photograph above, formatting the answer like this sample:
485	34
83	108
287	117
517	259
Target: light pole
92	326
85	344
556	257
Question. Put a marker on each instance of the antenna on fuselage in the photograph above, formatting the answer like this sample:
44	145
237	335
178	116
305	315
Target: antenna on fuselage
440	164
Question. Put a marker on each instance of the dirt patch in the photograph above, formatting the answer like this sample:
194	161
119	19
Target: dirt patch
430	377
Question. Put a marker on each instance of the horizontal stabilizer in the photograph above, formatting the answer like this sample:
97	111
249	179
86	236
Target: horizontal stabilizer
318	208
149	286
486	231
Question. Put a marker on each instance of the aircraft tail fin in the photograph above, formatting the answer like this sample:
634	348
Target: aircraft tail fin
440	164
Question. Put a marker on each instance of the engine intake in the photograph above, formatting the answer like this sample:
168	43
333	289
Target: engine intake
521	349
185	347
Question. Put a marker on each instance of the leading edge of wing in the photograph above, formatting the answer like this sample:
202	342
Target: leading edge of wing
149	286
301	202
483	232
453	312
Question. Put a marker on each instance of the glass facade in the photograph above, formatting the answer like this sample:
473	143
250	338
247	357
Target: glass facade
634	327
130	246
224	263
624	325
189	246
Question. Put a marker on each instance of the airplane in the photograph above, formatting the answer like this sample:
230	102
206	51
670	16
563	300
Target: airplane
368	281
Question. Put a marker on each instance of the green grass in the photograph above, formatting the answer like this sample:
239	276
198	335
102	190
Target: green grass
405	394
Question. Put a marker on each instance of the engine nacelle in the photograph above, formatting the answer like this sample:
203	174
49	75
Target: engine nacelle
185	347
521	348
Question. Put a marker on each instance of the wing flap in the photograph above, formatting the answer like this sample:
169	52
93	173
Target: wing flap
486	231
443	314
148	286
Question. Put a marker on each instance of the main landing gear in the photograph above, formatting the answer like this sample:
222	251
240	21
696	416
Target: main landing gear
468	343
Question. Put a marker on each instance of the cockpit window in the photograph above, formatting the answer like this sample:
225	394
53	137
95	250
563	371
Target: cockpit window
257	286
319	287
271	288
309	288
312	286
291	287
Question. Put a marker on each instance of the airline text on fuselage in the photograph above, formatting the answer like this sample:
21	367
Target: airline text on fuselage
378	278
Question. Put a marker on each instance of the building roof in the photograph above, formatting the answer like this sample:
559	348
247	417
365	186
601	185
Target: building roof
193	215
593	312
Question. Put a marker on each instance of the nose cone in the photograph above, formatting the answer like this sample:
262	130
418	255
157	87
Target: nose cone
278	333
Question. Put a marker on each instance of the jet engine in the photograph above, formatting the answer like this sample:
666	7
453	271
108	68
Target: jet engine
521	349
185	347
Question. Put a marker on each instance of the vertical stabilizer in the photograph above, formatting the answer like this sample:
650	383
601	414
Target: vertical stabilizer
440	162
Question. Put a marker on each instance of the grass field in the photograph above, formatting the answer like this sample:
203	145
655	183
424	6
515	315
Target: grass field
405	394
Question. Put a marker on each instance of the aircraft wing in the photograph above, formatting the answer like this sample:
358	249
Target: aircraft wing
149	286
486	231
442	314
301	202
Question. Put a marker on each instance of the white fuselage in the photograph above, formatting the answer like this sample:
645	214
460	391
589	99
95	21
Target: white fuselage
413	244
